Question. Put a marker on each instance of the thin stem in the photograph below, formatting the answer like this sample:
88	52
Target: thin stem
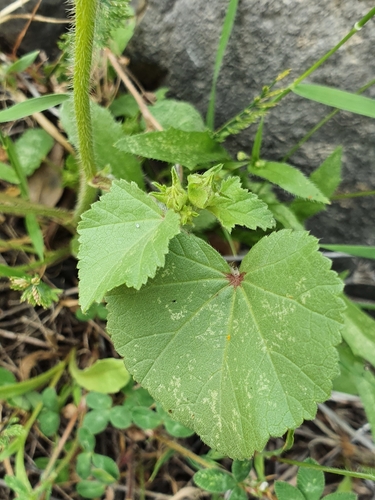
331	470
346	196
183	451
357	27
19	206
85	15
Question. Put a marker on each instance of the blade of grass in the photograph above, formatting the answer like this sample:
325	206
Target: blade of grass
31	106
357	250
320	124
336	98
224	38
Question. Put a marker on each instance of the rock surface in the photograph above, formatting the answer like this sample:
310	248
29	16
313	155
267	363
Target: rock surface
39	35
175	45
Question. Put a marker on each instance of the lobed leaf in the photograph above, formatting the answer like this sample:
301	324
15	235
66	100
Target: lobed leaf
236	356
290	179
123	239
175	146
237	206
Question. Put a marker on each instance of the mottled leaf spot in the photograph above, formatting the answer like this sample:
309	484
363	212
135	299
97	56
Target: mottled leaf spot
235	278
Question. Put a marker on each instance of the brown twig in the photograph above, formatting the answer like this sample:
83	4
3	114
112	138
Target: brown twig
21	36
151	122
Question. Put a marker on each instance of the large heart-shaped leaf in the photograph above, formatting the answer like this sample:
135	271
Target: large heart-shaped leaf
123	239
236	355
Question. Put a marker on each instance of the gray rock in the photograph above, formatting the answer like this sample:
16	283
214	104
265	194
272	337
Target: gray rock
39	35
175	45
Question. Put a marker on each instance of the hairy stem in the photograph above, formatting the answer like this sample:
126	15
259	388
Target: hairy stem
85	15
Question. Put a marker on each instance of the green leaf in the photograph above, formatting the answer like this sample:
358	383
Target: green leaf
286	216
105	375
145	418
90	489
214	480
327	178
354	369
120	417
359	332
223	42
31	149
83	467
96	421
31	106
337	98
36	236
8	174
341	496
241	469
255	152
357	250
123	239
125	105
86	439
238	494
310	482
178	115
173	427
50	400
98	401
236	355
23	63
288	178
237	206
6	377
107	464
49	422
175	146
19	388
285	491
106	131
17	485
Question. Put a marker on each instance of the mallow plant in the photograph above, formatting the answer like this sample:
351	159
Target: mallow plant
236	352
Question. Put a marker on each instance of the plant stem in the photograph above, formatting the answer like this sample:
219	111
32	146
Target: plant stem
85	15
357	27
331	470
183	451
346	196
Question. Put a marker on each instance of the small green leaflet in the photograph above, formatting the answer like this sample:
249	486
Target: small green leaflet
123	239
175	146
288	178
337	98
236	356
237	206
